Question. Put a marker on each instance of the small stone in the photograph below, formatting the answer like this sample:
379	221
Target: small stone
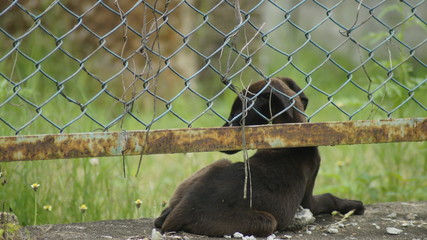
392	215
340	225
237	235
155	235
271	237
376	226
393	231
249	238
411	216
6	217
227	236
332	230
302	218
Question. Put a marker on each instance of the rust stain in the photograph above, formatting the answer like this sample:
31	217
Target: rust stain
20	148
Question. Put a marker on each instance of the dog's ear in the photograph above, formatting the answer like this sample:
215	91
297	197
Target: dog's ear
292	85
247	109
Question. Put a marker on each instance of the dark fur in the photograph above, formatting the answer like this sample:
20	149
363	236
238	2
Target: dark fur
211	201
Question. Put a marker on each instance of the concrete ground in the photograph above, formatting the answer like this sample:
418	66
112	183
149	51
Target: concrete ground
397	220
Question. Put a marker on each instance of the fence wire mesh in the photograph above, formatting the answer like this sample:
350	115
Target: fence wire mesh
76	66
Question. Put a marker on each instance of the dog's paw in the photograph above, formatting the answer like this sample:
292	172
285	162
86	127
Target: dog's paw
350	205
360	209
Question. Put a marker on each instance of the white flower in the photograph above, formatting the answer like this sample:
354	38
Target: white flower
94	161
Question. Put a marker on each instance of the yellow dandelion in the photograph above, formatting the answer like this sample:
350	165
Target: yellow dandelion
138	203
48	208
83	208
35	186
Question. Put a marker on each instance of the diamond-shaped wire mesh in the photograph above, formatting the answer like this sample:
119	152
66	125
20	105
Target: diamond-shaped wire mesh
76	66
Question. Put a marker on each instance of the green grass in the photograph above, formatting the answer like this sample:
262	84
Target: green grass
371	173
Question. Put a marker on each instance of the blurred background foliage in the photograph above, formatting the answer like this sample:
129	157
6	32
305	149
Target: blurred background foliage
73	66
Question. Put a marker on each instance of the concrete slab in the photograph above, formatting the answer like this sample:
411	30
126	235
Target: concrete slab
397	220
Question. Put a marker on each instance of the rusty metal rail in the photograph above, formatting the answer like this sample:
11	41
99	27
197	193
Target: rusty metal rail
59	146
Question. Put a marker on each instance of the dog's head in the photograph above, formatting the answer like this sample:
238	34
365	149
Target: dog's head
278	101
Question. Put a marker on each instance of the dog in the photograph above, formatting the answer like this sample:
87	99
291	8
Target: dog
211	202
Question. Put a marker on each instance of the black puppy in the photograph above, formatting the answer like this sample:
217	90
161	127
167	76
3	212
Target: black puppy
211	202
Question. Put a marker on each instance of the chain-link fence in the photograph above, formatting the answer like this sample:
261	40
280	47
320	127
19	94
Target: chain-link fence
82	66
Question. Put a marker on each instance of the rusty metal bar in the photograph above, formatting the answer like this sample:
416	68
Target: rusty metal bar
58	146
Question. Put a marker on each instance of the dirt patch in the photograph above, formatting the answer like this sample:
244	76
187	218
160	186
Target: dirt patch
398	220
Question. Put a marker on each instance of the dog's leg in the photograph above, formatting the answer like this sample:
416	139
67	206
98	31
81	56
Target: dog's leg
326	203
159	221
185	187
221	222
